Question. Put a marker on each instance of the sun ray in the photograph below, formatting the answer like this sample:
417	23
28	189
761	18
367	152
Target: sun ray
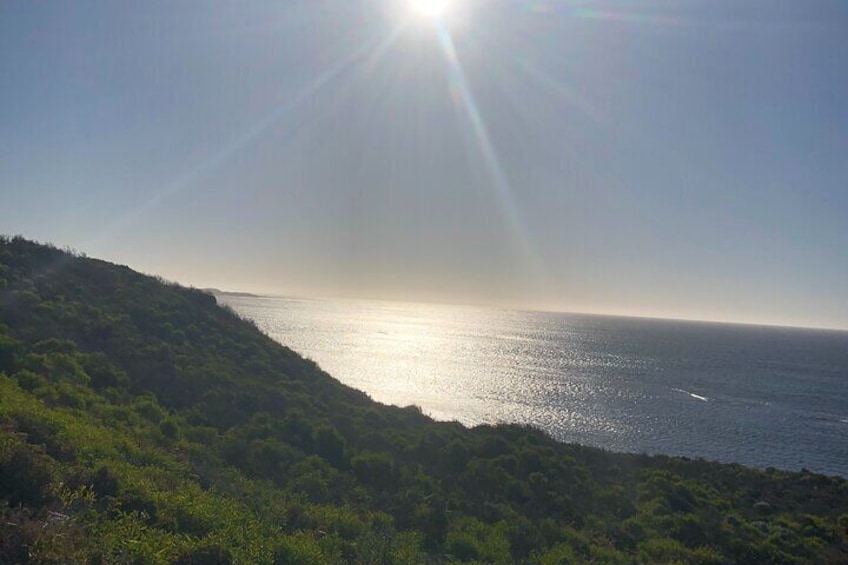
499	181
369	52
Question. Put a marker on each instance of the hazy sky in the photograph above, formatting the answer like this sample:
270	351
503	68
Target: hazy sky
668	158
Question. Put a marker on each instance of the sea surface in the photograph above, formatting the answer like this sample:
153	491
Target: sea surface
760	396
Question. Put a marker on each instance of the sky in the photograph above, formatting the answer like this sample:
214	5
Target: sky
684	159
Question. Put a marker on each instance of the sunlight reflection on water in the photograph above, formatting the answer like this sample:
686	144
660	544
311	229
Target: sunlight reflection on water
759	396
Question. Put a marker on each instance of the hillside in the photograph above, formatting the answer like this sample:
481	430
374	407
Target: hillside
142	423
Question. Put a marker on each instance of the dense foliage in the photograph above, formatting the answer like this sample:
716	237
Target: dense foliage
142	423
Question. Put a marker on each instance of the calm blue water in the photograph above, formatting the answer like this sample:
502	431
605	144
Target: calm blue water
760	396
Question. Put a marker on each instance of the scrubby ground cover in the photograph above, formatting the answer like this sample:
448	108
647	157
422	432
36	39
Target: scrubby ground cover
142	423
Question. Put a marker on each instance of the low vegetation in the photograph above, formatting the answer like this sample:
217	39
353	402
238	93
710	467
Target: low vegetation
142	423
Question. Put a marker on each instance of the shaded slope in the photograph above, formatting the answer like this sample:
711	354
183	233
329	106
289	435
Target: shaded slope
140	421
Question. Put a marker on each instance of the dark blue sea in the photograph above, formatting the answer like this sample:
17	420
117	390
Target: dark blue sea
760	396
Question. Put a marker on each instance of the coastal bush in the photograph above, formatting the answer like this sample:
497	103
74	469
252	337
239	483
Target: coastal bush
140	422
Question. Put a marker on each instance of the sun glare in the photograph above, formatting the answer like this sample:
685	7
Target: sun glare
430	9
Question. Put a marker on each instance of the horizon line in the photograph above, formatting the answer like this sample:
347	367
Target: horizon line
517	308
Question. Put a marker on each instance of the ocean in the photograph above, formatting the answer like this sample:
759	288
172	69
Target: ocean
759	396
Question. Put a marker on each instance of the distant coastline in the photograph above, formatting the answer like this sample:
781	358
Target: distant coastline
219	292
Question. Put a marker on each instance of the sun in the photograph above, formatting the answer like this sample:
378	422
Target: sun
430	9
